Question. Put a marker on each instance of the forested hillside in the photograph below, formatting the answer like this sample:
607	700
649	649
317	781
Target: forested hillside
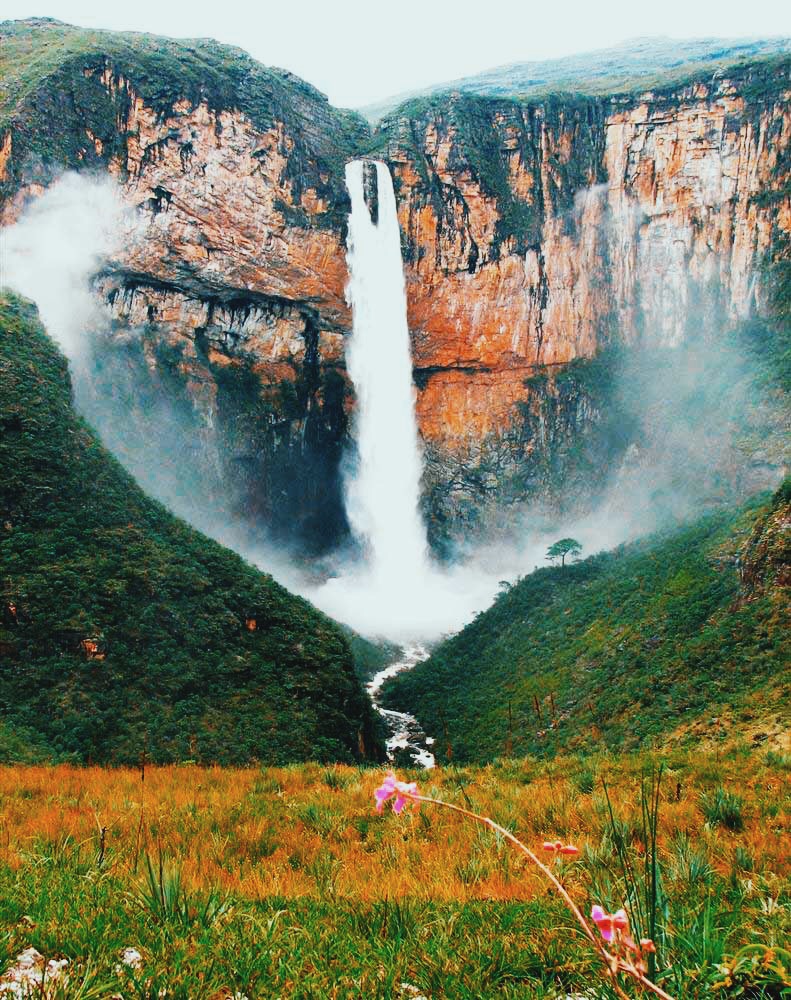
682	636
123	631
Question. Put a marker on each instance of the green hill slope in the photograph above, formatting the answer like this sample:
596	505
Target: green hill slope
668	638
121	628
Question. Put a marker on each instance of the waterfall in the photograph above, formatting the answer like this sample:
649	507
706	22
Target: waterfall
395	592
383	485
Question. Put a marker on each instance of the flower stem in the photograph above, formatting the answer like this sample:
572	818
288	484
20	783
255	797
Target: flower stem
612	963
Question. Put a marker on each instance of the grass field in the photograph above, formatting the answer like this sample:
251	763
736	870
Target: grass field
284	882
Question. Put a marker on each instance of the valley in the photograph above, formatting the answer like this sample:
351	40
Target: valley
450	435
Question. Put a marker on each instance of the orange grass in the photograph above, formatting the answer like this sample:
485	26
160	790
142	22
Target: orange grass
309	830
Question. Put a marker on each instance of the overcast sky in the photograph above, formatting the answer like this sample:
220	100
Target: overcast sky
360	51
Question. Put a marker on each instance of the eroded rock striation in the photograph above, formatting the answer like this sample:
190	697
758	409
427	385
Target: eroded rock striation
534	233
537	233
232	289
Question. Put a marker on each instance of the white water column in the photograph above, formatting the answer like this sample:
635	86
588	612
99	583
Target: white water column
383	486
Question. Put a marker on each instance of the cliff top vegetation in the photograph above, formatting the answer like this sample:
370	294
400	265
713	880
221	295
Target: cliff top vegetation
51	90
164	70
637	65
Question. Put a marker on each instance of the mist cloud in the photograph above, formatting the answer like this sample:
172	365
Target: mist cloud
55	248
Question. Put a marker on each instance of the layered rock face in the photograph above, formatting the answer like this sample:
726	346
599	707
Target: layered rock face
231	291
535	234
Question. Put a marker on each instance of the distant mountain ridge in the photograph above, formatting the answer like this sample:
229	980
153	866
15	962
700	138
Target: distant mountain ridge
636	62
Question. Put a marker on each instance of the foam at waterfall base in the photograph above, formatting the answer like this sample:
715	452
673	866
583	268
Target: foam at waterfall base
423	607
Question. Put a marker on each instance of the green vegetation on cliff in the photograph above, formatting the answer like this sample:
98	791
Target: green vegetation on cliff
51	91
639	64
658	639
122	629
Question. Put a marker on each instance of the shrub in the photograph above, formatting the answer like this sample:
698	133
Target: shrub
723	808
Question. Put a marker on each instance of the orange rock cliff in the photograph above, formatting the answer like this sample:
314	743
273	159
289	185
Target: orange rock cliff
534	233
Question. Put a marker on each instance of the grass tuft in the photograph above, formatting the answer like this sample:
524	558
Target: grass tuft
724	808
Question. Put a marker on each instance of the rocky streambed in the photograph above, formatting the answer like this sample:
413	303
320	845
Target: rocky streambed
406	742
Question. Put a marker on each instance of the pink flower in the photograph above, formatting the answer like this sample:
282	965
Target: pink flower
400	792
560	847
552	845
609	923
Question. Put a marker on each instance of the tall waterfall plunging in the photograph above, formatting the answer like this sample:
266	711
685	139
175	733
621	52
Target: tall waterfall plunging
383	485
395	591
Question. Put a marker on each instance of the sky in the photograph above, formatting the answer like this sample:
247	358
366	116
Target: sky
359	52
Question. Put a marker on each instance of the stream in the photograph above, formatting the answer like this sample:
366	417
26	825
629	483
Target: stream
406	738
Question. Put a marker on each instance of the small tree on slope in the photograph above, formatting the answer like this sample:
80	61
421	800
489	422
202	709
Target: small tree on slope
562	548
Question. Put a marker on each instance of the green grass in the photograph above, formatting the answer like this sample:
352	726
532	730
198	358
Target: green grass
198	939
723	807
86	556
622	648
293	948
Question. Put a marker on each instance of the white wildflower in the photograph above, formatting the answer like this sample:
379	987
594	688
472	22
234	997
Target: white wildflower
410	992
132	958
31	974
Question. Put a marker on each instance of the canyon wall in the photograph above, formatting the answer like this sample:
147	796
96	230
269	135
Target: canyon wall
539	233
230	294
534	233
